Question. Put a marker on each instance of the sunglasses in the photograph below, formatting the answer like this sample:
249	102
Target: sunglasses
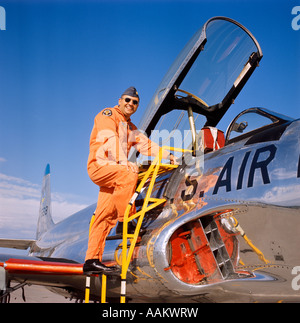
135	102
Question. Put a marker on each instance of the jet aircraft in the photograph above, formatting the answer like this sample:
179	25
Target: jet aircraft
222	225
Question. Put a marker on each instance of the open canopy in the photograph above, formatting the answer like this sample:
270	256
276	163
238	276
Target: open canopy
208	74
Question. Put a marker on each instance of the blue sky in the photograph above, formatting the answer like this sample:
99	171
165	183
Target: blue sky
61	62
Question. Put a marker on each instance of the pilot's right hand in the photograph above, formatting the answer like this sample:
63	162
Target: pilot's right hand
133	167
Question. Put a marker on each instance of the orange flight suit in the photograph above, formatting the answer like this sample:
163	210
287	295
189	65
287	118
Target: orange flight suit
111	140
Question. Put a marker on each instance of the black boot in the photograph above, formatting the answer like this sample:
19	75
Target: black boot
94	266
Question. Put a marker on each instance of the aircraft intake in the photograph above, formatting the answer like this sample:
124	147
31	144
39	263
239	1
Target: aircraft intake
203	252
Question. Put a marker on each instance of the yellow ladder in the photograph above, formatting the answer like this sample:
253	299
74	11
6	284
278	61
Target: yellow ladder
88	286
149	203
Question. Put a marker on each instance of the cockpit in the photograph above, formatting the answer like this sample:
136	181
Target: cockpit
255	121
201	85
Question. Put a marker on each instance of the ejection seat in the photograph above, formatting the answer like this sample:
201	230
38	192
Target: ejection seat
211	139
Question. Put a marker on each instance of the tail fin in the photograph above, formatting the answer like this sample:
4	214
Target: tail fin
45	221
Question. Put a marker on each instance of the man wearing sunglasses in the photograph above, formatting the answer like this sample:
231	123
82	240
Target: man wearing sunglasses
111	139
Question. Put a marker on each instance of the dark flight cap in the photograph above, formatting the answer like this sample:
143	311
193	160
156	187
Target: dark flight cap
131	91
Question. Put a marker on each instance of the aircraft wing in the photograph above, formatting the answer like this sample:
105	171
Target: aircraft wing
62	274
38	266
21	244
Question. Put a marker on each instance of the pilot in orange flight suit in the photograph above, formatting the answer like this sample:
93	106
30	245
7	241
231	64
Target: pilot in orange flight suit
111	139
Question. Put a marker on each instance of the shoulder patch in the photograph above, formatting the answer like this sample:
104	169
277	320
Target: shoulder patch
107	112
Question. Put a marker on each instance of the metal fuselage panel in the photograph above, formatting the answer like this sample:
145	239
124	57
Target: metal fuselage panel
257	187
